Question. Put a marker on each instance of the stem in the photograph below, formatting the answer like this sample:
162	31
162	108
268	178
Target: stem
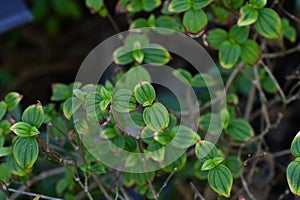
155	196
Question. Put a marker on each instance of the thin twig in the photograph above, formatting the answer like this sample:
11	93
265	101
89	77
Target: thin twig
275	82
155	196
197	193
100	185
38	178
282	53
31	194
166	181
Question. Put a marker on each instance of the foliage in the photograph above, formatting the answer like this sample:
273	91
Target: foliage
28	140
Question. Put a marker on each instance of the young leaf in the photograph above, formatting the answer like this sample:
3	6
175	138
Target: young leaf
216	37
179	5
250	52
156	117
194	21
97	168
12	99
144	93
211	163
220	180
229	54
123	101
23	129
34	115
3	108
288	31
239	130
26	151
156	54
137	53
71	105
60	92
239	34
293	176
205	150
139	23
248	16
183	137
268	23
295	147
258	4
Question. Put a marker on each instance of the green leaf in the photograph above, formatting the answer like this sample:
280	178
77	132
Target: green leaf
177	164
233	4
216	37
5	151
144	93
12	99
183	75
157	151
135	6
239	130
163	138
136	119
14	167
34	115
179	5
293	177
135	75
149	5
23	129
220	180
268	23
233	162
156	117
139	23
221	14
123	101
258	4
268	85
248	15
71	105
202	80
92	105
211	163
239	34
206	125
250	52
194	21
4	127
3	108
200	174
295	147
183	137
123	55
26	151
97	168
167	22
205	150
198	4
5	173
156	54
288	31
94	5
61	186
60	92
137	53
229	54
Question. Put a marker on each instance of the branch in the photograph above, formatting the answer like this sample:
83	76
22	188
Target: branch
282	53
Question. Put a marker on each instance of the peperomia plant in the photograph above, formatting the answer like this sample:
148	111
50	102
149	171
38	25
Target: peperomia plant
126	136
